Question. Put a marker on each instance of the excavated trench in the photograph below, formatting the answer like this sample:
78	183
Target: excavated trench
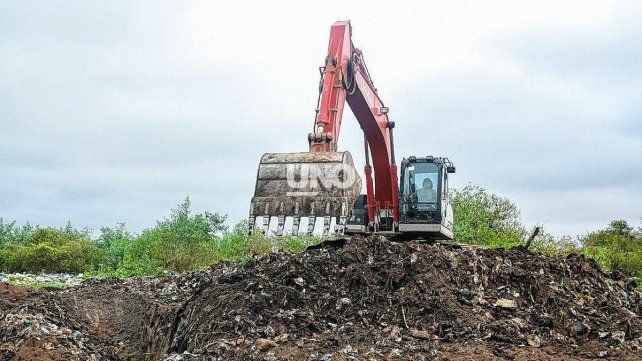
360	299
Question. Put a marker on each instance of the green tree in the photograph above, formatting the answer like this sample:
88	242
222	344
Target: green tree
111	246
48	250
182	242
486	219
10	232
617	247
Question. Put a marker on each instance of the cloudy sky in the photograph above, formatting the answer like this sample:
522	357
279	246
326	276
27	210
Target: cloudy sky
115	111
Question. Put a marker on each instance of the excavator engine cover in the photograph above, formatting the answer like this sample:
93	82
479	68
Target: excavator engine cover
305	184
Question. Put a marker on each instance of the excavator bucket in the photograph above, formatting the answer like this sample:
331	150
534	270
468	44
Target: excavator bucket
304	185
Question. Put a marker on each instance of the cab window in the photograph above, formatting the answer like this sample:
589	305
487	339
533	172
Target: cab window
421	180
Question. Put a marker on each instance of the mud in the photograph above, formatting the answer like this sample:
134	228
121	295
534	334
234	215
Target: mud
351	299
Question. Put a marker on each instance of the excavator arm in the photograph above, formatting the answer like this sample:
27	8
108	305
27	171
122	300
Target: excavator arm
345	78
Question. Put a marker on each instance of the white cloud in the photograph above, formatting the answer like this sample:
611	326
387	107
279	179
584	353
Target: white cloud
115	111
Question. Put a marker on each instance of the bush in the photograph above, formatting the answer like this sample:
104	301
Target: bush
618	247
111	247
187	241
486	219
11	233
48	250
184	242
181	243
552	246
235	243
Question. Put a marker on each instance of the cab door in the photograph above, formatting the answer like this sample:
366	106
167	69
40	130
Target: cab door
443	194
446	208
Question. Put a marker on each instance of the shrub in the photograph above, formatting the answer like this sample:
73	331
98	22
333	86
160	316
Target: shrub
552	246
618	247
235	243
486	219
11	233
180	243
48	250
185	241
299	243
111	247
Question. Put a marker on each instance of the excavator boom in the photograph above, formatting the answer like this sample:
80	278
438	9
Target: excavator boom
346	79
323	182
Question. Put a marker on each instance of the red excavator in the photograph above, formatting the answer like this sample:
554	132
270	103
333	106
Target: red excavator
323	181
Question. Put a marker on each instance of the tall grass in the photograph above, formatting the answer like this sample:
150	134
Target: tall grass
182	242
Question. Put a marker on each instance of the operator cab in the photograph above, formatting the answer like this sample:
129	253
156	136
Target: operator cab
424	204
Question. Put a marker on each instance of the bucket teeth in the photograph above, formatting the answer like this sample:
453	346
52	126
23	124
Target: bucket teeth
340	227
326	225
311	221
280	225
250	225
296	221
280	221
251	220
266	225
266	219
327	219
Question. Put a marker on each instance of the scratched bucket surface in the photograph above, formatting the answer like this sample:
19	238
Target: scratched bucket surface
323	184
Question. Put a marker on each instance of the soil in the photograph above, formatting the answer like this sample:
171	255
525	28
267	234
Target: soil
362	299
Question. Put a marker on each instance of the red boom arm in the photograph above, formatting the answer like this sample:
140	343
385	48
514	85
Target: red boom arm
346	78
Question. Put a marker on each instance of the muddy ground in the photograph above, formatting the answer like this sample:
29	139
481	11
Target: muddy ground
352	299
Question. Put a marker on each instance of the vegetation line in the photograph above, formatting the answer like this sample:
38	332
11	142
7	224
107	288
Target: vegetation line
185	241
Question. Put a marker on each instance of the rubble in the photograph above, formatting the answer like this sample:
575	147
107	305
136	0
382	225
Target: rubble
354	299
52	280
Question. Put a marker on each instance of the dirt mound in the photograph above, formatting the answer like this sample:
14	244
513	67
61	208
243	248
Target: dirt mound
351	299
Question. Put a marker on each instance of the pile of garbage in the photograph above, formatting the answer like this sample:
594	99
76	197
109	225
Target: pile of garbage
375	298
349	299
55	280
